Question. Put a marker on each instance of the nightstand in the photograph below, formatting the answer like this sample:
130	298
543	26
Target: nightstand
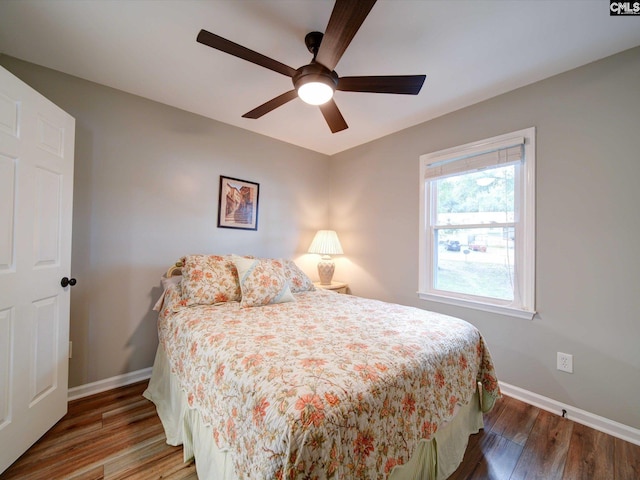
338	287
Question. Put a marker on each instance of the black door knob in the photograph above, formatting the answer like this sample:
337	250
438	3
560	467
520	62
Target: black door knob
68	281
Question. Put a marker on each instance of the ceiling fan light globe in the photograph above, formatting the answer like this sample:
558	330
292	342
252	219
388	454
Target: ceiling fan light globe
315	93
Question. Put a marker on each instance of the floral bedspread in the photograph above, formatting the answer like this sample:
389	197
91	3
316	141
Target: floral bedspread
328	386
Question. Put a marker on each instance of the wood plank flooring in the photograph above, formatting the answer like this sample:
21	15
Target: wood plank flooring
522	442
112	435
117	435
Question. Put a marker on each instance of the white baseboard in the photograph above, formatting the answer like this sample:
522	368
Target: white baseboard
577	415
108	383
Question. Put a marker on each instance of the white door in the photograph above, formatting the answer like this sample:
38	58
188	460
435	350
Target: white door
36	189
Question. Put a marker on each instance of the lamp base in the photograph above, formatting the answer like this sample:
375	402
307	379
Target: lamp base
326	267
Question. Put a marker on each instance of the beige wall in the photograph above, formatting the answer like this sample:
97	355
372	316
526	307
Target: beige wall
588	230
146	192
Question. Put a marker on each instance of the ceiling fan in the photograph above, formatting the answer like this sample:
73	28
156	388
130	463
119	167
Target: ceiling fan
316	82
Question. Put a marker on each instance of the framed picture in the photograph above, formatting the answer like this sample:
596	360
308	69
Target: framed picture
238	204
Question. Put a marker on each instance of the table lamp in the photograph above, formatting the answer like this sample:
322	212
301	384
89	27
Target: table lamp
326	243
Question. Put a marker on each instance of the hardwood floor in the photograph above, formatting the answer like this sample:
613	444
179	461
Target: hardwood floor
521	442
117	435
112	435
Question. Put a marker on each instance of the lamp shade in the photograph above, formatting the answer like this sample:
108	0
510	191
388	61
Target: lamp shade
326	243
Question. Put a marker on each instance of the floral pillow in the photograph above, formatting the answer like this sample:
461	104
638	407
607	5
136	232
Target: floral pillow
262	281
209	279
298	280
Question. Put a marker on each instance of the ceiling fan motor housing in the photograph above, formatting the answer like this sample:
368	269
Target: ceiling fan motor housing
315	72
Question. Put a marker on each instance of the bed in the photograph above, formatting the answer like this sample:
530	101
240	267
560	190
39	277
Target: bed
259	375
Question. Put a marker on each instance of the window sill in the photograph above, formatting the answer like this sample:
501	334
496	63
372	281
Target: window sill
499	309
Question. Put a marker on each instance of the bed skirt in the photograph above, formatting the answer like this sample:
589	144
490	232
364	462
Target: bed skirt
435	459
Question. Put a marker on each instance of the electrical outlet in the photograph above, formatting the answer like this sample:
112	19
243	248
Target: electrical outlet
565	362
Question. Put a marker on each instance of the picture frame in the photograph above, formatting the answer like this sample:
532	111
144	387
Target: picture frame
238	203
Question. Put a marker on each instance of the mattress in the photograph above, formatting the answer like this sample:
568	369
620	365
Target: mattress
328	385
433	459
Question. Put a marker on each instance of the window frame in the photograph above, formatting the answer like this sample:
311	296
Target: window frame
524	253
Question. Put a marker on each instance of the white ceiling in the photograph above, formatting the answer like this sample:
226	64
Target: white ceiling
470	50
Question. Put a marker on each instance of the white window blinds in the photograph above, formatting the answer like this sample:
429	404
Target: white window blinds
491	155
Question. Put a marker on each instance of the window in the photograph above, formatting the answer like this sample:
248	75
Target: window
477	225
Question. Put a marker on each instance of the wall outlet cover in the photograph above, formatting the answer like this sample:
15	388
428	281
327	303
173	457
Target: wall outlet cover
565	362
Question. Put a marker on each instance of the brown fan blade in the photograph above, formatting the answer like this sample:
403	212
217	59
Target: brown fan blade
346	18
399	84
214	41
271	104
332	115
